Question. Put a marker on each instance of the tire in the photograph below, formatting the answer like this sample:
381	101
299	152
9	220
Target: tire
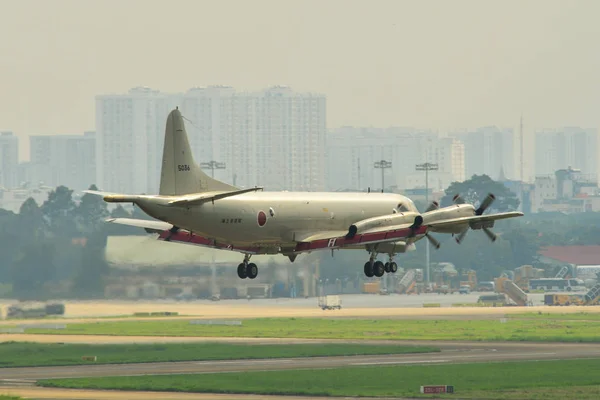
368	269
241	271
378	269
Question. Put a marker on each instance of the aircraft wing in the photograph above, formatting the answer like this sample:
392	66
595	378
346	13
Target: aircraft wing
338	239
476	221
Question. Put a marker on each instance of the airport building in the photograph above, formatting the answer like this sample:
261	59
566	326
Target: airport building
273	138
567	190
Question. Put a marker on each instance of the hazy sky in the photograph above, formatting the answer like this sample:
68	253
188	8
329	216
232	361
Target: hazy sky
432	64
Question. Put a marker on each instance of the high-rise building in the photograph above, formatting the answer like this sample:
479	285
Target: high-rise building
9	160
352	154
566	147
289	138
490	151
68	160
130	137
273	138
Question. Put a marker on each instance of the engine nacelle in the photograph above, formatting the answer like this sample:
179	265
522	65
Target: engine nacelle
450	212
383	221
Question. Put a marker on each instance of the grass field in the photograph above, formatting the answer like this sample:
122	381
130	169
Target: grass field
511	329
37	354
532	380
581	316
6	397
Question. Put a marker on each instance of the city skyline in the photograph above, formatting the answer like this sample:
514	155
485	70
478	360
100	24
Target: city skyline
223	120
470	64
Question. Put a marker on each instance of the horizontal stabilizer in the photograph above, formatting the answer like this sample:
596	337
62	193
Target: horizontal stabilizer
201	198
149	225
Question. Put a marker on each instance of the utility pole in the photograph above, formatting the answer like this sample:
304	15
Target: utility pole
212	165
427	167
383	164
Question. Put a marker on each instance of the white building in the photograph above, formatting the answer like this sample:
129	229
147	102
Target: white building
9	160
68	160
130	138
273	138
566	147
352	154
489	150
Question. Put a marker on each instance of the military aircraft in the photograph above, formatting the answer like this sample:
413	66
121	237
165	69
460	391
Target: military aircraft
193	208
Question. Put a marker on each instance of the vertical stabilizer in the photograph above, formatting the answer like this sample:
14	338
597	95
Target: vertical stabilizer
180	174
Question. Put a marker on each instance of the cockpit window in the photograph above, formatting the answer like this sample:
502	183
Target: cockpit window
402	208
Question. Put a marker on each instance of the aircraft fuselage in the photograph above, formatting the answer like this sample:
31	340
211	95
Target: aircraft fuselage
274	218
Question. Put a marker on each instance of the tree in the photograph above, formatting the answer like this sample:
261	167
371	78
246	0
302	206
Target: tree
91	212
58	212
474	190
31	221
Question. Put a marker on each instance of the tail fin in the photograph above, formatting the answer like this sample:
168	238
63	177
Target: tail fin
180	174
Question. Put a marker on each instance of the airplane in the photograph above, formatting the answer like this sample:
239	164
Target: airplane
193	208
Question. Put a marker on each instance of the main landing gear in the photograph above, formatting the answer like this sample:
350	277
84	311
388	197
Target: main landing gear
378	268
247	269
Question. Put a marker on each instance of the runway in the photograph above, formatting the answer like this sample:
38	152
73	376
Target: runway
451	353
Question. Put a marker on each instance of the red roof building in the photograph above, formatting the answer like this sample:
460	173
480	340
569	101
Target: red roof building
575	255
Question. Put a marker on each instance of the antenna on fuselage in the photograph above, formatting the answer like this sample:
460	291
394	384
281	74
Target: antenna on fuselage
369	189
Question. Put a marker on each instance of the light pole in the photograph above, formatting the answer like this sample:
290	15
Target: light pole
427	167
383	165
212	165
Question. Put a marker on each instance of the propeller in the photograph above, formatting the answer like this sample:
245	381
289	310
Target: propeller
489	199
433	206
433	241
485	204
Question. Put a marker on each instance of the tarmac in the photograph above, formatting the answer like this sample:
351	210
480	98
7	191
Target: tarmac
20	381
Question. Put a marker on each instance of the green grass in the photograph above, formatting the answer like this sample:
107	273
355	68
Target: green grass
7	397
582	316
542	329
37	354
541	379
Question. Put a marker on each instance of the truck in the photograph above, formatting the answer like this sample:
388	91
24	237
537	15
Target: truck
330	302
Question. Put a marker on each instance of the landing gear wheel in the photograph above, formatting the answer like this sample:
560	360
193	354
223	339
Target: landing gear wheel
368	269
242	271
252	271
386	267
378	269
393	267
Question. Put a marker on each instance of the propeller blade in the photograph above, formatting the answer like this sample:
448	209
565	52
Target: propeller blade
433	241
489	199
490	234
462	235
433	206
457	199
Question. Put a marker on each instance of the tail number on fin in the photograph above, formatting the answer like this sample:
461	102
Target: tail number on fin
183	167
